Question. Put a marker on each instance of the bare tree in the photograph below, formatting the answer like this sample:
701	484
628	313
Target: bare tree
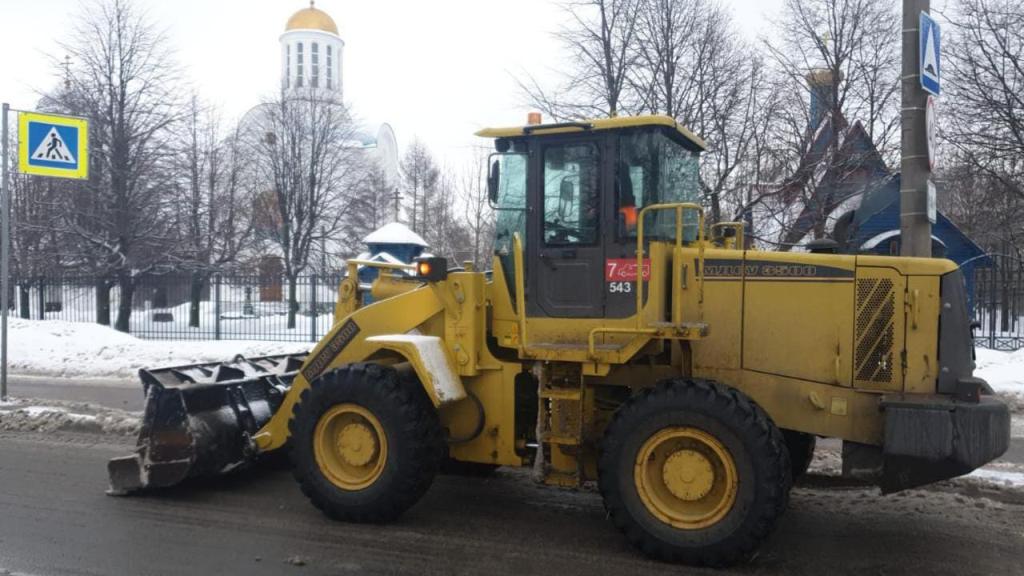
35	243
478	217
857	43
600	39
445	231
669	39
420	176
372	207
123	79
986	116
213	207
302	142
834	70
982	202
722	81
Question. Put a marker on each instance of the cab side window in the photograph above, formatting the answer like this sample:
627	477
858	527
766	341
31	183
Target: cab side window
571	194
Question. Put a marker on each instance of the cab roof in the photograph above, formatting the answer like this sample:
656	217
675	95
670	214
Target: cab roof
617	123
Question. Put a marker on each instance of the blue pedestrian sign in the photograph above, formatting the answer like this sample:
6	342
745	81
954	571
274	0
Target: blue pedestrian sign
53	145
931	55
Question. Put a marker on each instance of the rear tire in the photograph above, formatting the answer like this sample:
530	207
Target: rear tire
694	472
365	445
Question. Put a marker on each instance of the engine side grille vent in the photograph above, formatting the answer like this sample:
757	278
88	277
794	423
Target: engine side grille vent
876	307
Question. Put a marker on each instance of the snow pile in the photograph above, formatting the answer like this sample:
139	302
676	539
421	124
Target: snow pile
52	415
85	350
1003	370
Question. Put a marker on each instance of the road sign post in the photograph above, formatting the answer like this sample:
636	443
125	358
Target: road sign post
921	69
5	246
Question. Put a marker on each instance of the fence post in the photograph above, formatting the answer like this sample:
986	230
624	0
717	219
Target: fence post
312	308
42	298
992	306
216	307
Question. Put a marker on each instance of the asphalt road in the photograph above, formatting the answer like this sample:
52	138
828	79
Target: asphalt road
55	519
109	393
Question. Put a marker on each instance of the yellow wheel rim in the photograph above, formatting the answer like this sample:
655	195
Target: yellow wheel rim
686	478
350	446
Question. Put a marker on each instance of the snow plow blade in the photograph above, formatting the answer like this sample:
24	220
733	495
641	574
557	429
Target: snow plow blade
199	420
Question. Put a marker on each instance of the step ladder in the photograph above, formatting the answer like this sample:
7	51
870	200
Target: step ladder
560	424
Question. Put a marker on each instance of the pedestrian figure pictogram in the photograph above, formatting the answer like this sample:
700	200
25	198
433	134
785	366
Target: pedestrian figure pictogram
53	148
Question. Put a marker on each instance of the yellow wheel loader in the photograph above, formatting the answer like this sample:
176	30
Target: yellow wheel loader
618	339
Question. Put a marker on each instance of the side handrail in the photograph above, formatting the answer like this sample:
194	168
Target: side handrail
679	208
520	272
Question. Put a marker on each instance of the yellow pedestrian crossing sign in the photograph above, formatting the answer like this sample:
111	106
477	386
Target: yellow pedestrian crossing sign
53	145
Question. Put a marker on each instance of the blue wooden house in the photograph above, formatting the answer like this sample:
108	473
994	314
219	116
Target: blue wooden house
392	243
873	227
843	188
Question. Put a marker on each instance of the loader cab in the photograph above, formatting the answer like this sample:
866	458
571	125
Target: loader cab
573	192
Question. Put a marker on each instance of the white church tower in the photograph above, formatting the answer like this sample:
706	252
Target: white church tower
311	52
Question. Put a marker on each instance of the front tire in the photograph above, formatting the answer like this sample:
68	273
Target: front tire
365	445
694	472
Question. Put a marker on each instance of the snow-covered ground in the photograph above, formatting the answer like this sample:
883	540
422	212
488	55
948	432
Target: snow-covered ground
52	415
1003	370
85	350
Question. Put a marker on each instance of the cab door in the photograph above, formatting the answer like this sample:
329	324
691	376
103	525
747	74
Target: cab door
565	255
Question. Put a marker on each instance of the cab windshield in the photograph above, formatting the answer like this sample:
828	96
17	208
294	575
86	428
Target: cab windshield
511	212
654	169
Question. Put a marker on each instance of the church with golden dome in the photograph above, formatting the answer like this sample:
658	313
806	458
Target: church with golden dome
312	59
312	63
311	52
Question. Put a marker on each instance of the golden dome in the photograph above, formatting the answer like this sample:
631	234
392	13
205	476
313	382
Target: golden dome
311	18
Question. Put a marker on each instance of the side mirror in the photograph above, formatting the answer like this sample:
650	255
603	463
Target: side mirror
493	178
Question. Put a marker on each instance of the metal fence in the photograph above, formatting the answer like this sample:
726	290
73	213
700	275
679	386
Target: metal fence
997	294
255	307
184	307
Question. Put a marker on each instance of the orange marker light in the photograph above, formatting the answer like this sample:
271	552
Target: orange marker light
533	118
432	268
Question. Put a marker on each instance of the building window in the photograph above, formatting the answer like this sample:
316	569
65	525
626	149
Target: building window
314	65
287	65
330	67
298	65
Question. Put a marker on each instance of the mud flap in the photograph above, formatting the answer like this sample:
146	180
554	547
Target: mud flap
927	440
199	420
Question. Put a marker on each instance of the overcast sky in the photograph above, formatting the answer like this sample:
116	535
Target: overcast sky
435	70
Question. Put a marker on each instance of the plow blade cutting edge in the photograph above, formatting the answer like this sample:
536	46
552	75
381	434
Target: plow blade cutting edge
199	420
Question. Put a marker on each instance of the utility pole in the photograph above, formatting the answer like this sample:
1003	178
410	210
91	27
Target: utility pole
915	228
5	248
